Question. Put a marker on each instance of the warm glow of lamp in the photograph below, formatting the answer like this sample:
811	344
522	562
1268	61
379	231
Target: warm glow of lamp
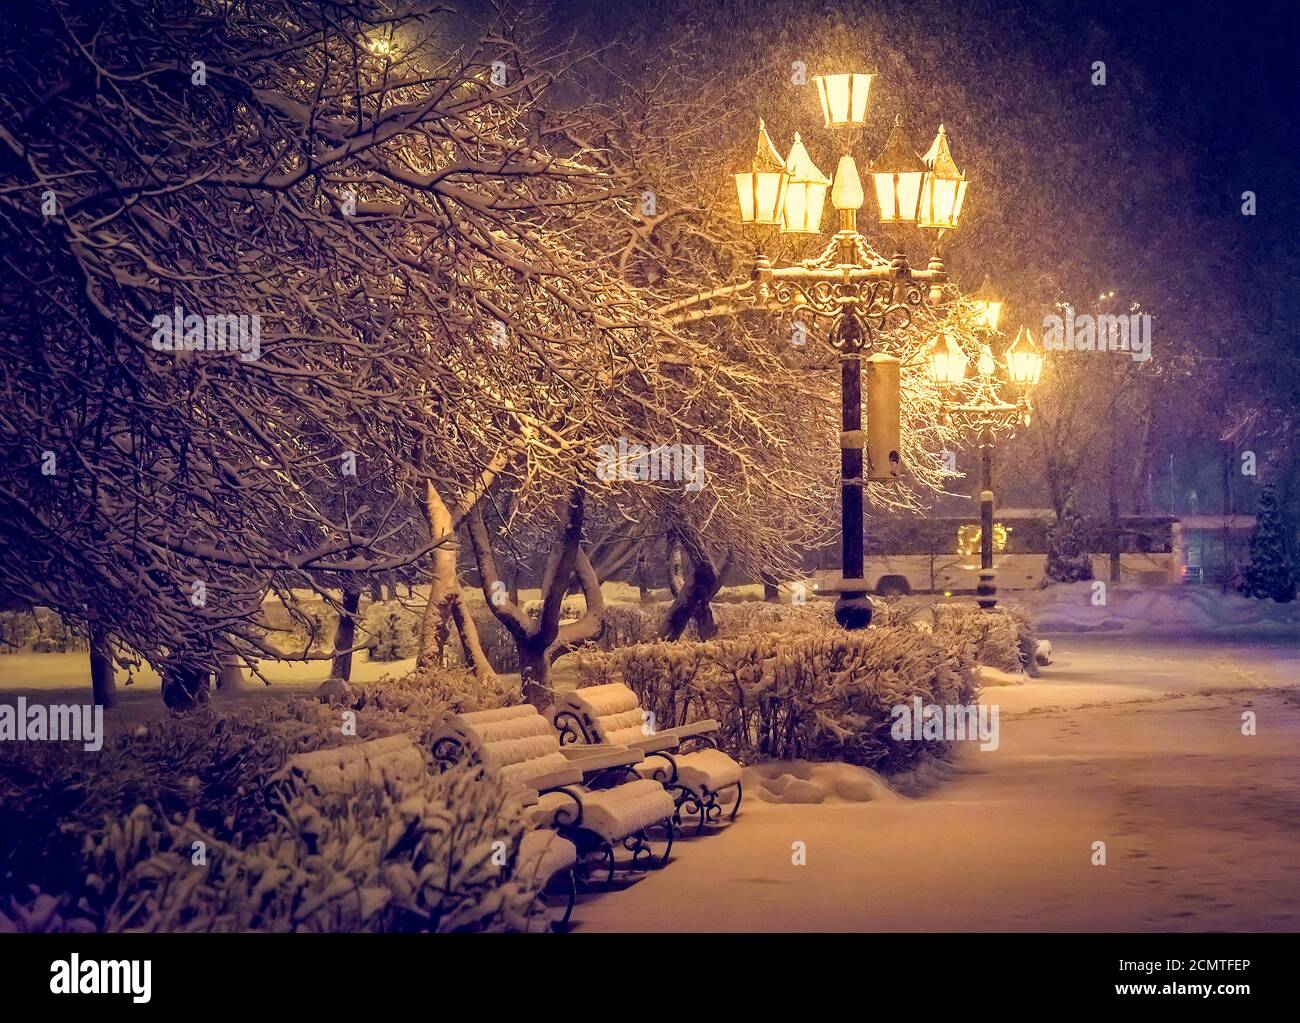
987	307
761	190
843	99
805	192
943	190
947	360
1024	359
898	173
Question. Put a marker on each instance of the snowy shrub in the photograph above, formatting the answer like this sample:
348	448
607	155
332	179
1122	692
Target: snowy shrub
629	624
17	630
435	854
60	805
1269	576
823	695
419	703
392	630
1068	560
209	765
1002	637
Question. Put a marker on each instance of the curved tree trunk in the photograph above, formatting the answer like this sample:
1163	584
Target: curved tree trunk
444	589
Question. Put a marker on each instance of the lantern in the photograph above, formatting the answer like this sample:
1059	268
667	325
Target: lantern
943	189
987	307
947	360
898	173
761	190
843	99
805	192
1024	359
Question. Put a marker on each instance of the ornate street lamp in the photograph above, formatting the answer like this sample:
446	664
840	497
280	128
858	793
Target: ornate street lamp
982	412
866	299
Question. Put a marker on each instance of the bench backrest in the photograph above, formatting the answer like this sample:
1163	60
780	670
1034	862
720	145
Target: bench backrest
515	743
610	713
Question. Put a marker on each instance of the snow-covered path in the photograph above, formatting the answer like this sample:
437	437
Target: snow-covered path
1134	743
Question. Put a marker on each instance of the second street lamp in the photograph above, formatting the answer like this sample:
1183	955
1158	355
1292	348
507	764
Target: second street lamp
985	415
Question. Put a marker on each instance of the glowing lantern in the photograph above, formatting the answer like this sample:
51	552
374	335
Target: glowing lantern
947	360
843	99
1024	359
943	190
898	173
987	307
805	193
761	191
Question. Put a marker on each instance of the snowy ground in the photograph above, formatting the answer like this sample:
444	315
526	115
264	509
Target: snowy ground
1130	740
1134	743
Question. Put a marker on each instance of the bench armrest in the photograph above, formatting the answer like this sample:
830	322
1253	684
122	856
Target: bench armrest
695	728
658	742
601	757
555	779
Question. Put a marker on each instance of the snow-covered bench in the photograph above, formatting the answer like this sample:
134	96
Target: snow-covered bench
576	792
701	779
343	768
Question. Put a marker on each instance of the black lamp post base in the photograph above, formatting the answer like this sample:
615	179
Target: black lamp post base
853	611
986	591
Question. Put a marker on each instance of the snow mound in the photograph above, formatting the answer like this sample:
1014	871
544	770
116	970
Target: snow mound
802	781
1069	607
992	677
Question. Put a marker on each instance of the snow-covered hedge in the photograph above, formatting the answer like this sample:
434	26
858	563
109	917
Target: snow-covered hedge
207	773
817	695
1001	638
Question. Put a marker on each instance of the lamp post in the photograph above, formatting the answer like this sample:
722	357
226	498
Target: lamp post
865	297
983	412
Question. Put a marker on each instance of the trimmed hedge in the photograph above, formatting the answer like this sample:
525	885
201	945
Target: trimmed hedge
823	695
1001	638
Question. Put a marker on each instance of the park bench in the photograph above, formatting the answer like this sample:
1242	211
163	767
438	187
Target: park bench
686	760
594	798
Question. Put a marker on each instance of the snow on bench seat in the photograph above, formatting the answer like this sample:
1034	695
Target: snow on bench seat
543	854
624	810
706	769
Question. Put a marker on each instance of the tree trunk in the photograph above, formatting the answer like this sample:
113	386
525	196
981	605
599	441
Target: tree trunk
676	572
535	674
184	685
693	603
771	591
103	683
346	636
230	680
444	589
